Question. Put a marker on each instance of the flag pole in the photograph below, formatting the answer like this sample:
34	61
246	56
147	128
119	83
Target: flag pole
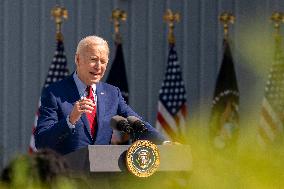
117	17
172	115
171	18
271	124
58	64
59	14
278	19
117	74
226	18
224	120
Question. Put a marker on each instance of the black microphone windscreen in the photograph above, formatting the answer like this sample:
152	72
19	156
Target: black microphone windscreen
115	120
120	123
132	119
137	124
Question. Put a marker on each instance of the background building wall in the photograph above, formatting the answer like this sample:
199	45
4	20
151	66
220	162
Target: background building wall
27	35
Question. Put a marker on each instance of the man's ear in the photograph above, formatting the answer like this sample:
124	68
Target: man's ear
77	59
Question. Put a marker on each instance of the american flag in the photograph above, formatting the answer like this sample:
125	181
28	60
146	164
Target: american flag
172	109
270	129
57	71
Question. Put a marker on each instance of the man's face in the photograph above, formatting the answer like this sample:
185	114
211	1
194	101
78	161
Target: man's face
91	63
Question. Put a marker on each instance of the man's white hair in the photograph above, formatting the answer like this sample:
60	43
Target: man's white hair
91	40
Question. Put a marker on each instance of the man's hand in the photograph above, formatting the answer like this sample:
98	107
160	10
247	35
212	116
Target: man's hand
82	106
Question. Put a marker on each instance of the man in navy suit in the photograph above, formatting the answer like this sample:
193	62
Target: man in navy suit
71	117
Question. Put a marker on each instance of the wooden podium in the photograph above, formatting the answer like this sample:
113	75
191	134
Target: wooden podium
105	165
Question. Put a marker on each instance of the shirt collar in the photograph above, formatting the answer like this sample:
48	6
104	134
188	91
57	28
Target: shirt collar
81	86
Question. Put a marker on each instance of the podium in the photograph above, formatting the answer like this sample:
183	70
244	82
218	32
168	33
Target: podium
105	165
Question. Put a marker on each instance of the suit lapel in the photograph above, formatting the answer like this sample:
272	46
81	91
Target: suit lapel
74	95
72	91
86	123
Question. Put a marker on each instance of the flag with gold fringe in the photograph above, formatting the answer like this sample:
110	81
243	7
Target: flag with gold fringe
224	120
117	77
117	74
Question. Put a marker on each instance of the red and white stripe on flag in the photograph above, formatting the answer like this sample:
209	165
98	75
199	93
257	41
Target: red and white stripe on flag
172	127
270	126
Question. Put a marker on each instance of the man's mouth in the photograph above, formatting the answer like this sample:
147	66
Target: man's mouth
94	73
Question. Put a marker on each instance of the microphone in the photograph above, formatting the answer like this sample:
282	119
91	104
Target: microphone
121	124
137	125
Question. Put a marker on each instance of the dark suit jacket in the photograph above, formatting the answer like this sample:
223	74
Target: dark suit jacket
57	102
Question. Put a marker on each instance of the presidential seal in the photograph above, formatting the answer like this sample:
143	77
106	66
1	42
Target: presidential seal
143	158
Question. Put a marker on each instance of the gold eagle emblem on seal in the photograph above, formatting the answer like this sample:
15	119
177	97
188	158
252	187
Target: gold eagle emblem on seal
143	158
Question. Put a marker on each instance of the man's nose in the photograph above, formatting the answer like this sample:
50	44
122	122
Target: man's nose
97	64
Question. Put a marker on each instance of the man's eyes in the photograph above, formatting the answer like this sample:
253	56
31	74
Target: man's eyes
97	59
94	59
